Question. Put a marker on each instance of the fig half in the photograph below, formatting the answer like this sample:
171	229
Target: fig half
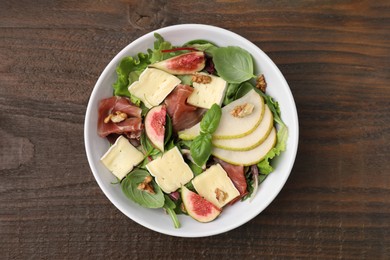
186	63
155	126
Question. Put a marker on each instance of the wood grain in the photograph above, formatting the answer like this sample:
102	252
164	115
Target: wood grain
335	56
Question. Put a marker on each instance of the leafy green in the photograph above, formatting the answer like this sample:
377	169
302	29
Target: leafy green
234	64
195	168
243	89
250	187
147	146
201	148
230	94
126	66
262	177
144	109
210	120
235	91
273	106
197	41
170	207
185	79
159	45
186	144
169	145
141	197
130	68
265	166
134	76
208	48
202	45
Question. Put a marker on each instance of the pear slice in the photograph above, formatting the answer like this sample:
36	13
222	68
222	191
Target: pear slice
231	126
249	157
252	140
190	133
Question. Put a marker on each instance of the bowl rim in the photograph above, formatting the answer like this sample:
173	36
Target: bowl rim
108	69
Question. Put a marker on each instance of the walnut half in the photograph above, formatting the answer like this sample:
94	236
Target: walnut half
260	83
242	110
220	195
115	118
146	185
200	78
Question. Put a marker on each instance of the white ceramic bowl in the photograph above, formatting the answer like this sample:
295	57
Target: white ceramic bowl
232	216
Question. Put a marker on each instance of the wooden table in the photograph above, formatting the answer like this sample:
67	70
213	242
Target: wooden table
335	56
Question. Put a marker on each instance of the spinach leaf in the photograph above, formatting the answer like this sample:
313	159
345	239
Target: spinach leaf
141	197
208	48
210	120
230	94
243	90
195	168
201	148
147	146
184	144
170	145
234	64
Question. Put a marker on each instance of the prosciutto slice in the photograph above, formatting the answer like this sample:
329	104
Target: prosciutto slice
236	174
182	114
131	126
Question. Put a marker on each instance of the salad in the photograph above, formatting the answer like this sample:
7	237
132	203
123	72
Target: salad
191	127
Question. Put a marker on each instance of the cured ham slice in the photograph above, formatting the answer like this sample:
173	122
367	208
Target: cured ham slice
182	114
236	174
116	103
131	126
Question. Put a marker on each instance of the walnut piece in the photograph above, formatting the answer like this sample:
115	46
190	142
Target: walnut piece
200	78
260	83
146	185
242	110
220	195
115	118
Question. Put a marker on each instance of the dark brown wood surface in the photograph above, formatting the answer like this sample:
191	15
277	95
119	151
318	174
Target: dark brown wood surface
335	56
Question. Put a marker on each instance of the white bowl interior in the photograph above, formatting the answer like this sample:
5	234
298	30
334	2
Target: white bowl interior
232	216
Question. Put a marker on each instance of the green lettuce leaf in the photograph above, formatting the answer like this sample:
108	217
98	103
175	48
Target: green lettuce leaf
129	69
265	166
160	44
